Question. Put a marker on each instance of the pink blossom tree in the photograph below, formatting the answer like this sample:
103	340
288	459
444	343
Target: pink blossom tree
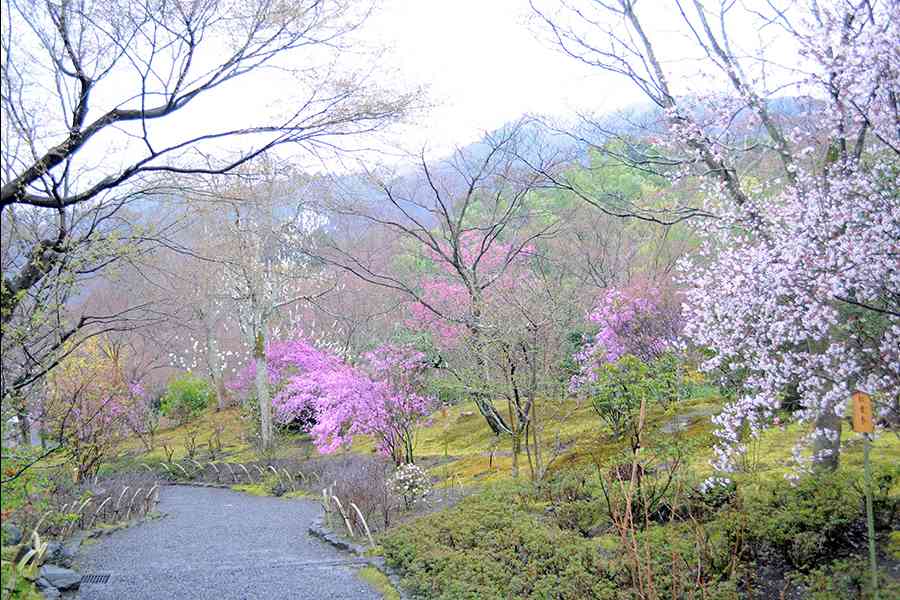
797	286
467	307
470	223
380	397
508	339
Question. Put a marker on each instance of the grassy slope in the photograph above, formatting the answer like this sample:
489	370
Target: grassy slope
459	440
235	445
460	436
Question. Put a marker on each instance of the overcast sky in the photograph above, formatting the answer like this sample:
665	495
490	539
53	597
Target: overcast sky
488	62
483	65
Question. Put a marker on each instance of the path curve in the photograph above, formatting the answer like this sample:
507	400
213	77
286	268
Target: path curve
219	544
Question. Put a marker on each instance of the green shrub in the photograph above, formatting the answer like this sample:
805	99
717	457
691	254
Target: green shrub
583	516
186	397
15	585
810	523
506	542
490	546
493	546
569	485
846	580
621	386
709	497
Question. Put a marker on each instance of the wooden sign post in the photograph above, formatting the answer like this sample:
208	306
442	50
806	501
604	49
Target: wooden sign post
864	423
862	413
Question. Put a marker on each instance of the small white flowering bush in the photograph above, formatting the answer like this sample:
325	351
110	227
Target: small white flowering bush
716	492
410	482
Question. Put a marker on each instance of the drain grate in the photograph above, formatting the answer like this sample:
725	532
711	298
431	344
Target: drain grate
94	578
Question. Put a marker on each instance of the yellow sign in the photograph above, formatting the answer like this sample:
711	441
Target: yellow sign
862	413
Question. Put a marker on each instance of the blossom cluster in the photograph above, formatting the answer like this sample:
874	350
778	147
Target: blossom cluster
410	482
636	321
378	397
802	295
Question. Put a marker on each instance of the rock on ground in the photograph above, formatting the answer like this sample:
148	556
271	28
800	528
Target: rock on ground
60	577
12	535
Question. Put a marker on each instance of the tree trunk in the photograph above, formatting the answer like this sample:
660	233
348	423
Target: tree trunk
482	400
23	421
266	437
24	428
538	463
407	444
221	393
827	447
215	369
516	449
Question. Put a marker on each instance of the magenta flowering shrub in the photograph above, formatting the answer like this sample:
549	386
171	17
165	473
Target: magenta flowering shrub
635	321
378	397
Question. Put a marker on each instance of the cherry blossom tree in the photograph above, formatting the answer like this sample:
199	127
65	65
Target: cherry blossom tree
400	407
806	302
797	287
472	319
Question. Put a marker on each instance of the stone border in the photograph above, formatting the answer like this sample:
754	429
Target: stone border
318	530
224	486
101	530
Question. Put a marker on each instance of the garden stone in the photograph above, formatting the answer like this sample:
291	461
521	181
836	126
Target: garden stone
597	531
59	554
60	577
681	422
47	591
12	535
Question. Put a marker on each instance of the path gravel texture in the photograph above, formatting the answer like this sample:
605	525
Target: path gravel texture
222	545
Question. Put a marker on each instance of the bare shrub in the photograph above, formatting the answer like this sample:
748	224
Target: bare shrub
362	480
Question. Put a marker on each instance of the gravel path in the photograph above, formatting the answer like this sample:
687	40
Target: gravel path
222	545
